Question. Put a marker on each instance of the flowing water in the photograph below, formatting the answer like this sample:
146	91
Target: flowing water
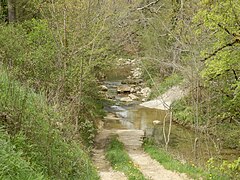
184	144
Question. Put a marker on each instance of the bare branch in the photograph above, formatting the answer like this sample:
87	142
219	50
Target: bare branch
148	5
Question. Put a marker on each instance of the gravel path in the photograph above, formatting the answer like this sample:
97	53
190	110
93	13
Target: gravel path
132	140
152	169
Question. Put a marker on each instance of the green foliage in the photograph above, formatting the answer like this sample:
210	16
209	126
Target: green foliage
12	164
29	50
35	55
183	112
170	163
220	23
33	127
3	10
120	160
231	135
227	170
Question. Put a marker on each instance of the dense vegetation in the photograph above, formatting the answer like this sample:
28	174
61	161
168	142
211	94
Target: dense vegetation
51	58
32	141
53	53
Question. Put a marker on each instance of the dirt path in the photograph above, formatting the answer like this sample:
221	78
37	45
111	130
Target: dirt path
104	168
152	169
132	139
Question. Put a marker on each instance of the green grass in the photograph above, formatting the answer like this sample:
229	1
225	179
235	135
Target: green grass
170	163
12	164
34	146
120	160
192	171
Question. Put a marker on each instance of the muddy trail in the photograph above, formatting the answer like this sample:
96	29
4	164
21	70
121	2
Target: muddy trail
126	90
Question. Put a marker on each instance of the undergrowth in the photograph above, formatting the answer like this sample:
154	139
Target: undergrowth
32	145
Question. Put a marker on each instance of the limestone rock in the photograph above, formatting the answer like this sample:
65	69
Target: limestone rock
133	97
126	99
123	89
143	100
157	122
103	88
146	92
133	90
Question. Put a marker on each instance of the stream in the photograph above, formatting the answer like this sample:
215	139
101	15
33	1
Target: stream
185	144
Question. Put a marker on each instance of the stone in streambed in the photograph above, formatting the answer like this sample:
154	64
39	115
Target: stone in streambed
146	92
126	99
123	89
103	88
133	97
157	122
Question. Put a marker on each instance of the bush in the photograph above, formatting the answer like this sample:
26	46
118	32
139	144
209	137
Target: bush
12	165
32	125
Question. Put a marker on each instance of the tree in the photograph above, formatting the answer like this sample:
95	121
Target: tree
11	11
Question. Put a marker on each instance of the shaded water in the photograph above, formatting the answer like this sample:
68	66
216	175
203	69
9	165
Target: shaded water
184	144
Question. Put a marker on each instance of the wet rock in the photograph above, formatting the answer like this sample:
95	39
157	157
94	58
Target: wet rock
138	88
110	96
118	108
132	81
123	89
144	99
133	90
146	91
123	114
133	97
103	88
126	99
111	116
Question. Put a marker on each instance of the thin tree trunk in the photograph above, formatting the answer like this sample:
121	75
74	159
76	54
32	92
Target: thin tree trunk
11	11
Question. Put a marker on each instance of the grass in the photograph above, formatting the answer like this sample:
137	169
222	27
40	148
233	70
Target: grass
120	160
33	146
170	163
192	171
12	165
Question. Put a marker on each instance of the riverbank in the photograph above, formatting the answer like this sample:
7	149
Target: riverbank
185	145
164	101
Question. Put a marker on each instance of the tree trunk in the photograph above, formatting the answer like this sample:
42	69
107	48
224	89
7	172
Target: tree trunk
11	11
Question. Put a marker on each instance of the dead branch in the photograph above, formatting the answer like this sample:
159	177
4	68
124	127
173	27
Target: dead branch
148	5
